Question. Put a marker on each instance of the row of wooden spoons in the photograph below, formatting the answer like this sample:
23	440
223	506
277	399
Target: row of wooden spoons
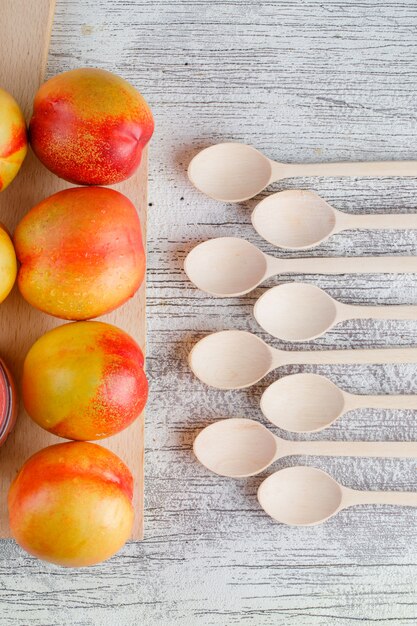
229	267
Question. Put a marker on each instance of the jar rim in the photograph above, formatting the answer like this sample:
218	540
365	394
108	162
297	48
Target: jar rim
7	419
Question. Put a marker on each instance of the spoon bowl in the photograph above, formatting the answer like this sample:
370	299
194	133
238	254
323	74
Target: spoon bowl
235	447
293	219
225	266
230	359
230	172
300	496
295	311
303	403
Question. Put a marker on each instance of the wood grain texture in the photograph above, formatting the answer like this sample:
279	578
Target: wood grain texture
26	25
303	80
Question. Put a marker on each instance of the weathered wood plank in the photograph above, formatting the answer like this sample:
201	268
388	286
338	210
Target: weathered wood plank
21	324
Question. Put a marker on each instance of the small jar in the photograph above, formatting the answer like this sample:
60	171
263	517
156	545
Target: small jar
8	403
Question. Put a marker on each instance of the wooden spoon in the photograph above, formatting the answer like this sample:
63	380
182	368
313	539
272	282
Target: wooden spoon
234	172
306	403
240	447
229	266
298	220
306	496
299	312
234	359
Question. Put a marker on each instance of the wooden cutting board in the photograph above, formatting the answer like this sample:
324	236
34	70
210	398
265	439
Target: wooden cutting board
25	27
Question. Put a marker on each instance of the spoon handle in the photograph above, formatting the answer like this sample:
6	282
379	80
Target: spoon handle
402	221
398	449
378	168
352	497
342	265
406	401
376	356
385	312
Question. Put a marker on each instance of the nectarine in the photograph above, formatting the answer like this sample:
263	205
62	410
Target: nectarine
81	253
13	140
90	126
8	265
84	381
71	504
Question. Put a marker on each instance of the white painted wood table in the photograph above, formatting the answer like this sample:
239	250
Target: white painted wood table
307	80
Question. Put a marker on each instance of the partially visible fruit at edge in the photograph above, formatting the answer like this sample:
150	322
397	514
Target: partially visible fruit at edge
13	138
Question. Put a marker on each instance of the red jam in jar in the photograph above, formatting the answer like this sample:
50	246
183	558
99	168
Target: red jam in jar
8	403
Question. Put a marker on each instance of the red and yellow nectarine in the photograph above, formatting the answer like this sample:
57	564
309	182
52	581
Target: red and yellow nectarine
90	126
8	264
71	504
13	140
84	381
81	253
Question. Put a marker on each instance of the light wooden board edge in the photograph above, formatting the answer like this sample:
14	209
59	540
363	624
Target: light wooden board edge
25	27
